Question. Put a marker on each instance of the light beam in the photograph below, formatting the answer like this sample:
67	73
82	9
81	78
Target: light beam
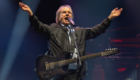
20	28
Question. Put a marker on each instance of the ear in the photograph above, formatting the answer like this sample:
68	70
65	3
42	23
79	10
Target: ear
59	19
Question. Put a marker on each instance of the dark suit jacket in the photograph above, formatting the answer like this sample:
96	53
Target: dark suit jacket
59	41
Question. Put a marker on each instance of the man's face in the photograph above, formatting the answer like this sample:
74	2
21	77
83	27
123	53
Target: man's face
64	15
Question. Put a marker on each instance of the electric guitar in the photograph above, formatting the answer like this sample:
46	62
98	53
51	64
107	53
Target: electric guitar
48	67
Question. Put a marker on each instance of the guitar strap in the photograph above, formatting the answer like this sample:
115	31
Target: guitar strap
49	53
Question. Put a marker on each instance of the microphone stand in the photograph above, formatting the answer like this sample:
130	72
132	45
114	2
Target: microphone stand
78	55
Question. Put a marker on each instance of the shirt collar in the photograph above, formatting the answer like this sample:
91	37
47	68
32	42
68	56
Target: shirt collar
63	24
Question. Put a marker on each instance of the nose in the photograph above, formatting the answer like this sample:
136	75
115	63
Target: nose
67	14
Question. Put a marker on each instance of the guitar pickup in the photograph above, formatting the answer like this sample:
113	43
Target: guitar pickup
47	65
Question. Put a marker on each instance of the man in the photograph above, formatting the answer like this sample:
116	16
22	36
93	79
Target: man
61	40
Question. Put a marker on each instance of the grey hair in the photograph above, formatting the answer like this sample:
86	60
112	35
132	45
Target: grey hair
59	10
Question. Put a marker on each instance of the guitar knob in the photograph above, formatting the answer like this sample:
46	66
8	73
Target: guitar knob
44	74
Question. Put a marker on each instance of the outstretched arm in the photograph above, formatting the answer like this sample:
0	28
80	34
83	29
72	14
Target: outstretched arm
100	28
36	24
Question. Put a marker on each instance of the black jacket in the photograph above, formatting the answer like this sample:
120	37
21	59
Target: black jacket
59	41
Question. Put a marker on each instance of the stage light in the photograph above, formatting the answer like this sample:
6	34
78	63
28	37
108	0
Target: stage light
20	28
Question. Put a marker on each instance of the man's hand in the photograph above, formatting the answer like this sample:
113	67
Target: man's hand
26	8
115	13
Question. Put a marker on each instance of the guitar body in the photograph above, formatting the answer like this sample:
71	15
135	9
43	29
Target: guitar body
44	74
48	67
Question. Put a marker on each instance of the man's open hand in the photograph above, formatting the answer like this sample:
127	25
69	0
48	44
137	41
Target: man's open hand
26	8
115	13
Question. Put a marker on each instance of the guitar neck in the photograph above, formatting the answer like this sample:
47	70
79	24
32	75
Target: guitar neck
68	61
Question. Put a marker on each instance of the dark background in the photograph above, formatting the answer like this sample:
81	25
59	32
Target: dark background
20	47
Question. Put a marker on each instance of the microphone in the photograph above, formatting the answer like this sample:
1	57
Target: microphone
71	21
